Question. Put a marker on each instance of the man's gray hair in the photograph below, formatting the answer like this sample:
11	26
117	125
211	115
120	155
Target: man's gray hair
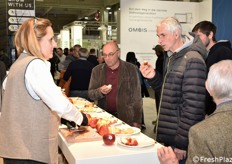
171	23
219	80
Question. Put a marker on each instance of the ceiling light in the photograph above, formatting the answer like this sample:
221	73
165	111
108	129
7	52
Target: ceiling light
108	8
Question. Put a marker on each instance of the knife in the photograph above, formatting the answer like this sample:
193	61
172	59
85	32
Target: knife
74	129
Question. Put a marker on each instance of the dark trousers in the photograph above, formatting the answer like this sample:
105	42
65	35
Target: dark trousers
20	161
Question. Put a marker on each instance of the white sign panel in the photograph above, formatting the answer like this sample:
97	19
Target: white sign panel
138	24
17	20
15	12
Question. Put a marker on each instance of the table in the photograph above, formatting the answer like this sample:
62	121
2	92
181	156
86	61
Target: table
99	153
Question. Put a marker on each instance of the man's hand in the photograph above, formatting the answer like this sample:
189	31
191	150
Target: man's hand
147	70
105	89
180	154
167	156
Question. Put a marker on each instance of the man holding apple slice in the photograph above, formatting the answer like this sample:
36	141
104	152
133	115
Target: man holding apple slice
182	99
116	87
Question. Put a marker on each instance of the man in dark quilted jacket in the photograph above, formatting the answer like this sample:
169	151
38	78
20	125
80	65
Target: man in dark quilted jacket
183	88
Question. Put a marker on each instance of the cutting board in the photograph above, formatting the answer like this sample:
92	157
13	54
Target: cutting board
86	136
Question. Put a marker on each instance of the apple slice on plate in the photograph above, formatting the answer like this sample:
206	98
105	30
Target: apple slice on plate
125	130
136	141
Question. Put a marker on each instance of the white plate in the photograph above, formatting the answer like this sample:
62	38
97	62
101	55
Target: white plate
143	142
119	122
91	110
135	130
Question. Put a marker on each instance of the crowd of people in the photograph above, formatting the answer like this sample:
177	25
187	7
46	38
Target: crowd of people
190	83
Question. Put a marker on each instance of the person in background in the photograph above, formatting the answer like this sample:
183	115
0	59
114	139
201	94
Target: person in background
59	53
100	57
116	87
32	103
182	87
80	72
92	57
70	51
159	51
5	59
66	51
71	56
204	137
61	57
76	47
54	65
217	51
2	72
130	57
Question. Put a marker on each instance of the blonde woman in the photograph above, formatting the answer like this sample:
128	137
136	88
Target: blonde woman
32	103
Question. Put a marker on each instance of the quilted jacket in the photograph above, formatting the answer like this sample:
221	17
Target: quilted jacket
182	92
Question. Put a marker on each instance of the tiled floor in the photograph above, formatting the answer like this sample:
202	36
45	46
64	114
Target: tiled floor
149	115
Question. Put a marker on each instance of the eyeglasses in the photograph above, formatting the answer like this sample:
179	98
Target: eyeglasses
110	54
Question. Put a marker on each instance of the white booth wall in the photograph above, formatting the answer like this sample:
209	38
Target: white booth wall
139	19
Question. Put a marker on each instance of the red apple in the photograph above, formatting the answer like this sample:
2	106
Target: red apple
104	129
99	124
109	139
93	122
